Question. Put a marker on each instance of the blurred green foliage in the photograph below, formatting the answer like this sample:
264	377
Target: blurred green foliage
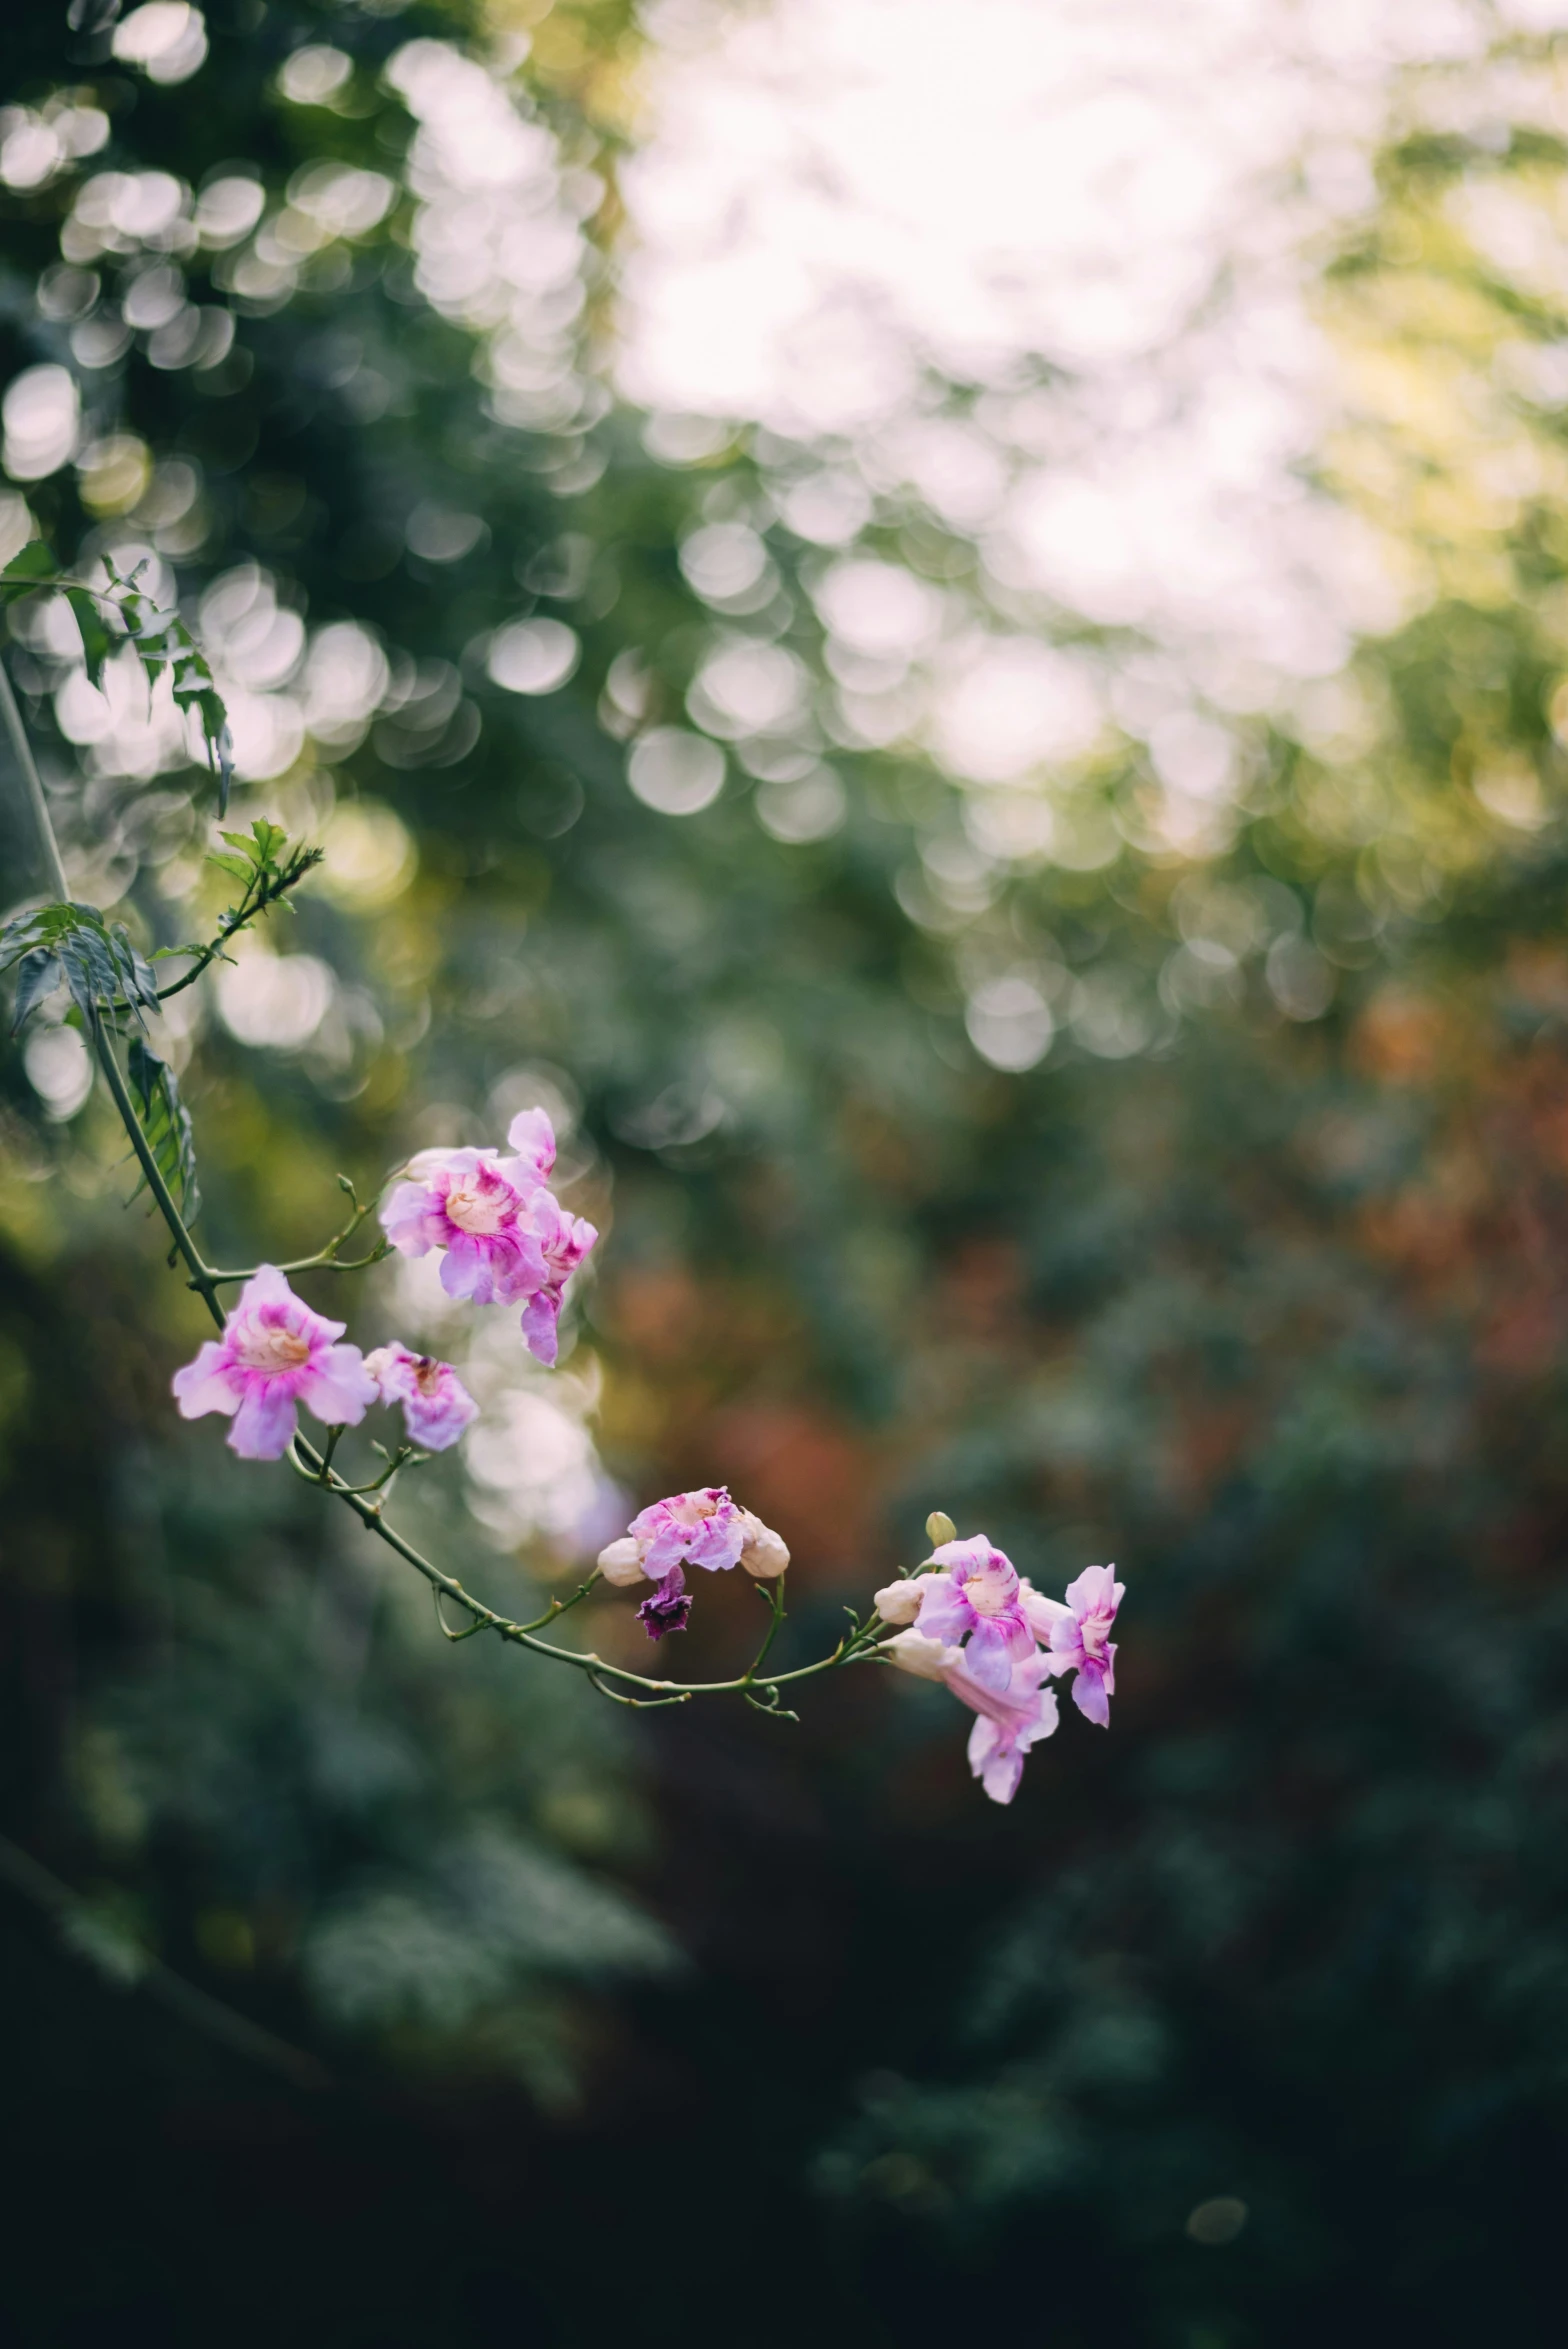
1254	1283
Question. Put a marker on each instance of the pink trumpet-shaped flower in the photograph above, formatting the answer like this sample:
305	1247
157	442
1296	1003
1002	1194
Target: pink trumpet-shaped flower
977	1596
466	1202
702	1528
1078	1637
1010	1722
1011	1719
506	1238
564	1240
437	1407
274	1354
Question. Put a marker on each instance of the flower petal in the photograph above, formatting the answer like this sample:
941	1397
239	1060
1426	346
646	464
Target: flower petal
410	1220
1094	1592
987	1657
1090	1697
944	1614
264	1422
207	1384
717	1544
1001	1773
542	1327
266	1286
971	1554
465	1270
532	1138
338	1388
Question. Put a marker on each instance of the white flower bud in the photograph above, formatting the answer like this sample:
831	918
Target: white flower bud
900	1601
622	1562
928	1659
765	1554
940	1528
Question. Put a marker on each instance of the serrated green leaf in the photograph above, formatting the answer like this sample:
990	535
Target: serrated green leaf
238	868
163	641
166	1122
89	970
38	976
23	935
136	979
97	643
34	562
44	925
270	838
101	967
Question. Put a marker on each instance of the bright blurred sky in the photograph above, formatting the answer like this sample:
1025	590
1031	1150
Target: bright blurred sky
837	196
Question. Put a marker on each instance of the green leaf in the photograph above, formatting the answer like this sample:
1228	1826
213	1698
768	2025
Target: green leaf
45	925
166	1122
39	976
271	839
88	964
136	976
238	868
97	643
24	571
24	934
163	641
101	967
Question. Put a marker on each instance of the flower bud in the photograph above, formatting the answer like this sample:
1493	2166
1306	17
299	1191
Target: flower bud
764	1554
928	1659
900	1601
940	1528
622	1562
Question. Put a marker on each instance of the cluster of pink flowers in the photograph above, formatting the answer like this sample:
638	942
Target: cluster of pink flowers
703	1528
506	1238
966	1617
275	1354
982	1629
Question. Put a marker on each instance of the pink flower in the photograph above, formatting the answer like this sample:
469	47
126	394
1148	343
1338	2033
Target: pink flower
1078	1636
977	1594
703	1528
506	1238
1010	1720
273	1355
564	1241
437	1407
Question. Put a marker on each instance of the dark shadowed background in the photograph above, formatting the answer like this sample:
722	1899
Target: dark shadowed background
1002	786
